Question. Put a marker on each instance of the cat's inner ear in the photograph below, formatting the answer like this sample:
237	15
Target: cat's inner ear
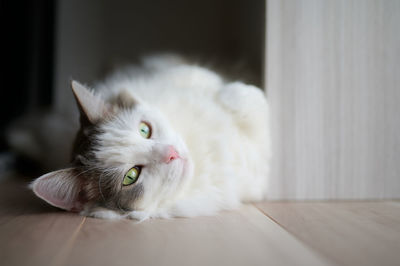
61	189
92	107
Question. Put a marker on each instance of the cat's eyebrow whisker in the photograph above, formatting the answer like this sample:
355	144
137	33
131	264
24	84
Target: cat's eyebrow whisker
99	184
93	168
119	207
85	171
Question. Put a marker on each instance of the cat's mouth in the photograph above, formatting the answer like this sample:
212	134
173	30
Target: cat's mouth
187	166
179	163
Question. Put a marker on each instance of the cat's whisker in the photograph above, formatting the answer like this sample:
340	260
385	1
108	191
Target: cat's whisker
99	186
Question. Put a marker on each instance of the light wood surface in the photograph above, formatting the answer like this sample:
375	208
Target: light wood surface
348	233
270	233
332	77
243	237
32	233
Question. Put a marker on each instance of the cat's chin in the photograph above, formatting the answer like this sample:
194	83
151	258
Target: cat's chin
183	173
179	169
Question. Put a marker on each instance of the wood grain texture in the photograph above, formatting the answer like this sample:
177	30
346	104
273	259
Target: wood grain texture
275	233
244	237
332	76
347	233
32	233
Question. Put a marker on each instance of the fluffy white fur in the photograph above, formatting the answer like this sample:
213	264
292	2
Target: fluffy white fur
219	129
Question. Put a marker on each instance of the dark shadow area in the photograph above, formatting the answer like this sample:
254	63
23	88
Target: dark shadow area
28	63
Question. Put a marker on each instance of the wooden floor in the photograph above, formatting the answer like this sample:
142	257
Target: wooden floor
270	233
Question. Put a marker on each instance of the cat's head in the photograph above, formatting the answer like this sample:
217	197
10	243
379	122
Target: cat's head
126	157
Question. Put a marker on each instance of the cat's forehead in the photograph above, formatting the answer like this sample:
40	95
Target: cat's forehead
125	123
119	141
130	117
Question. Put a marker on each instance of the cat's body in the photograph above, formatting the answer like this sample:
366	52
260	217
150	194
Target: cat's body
208	148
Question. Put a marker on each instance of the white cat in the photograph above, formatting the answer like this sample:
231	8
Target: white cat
167	139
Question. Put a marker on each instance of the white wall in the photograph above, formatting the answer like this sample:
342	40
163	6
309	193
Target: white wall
333	80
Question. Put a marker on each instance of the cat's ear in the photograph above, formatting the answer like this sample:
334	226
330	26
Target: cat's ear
92	107
60	188
124	99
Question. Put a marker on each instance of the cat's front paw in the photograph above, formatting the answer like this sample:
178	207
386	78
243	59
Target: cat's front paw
102	213
138	215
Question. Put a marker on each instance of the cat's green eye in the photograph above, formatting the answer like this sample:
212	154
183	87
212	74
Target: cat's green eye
145	130
131	176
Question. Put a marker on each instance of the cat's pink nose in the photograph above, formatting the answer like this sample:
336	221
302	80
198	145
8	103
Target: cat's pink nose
171	155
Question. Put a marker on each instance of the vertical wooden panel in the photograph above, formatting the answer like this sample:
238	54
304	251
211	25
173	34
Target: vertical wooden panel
333	80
